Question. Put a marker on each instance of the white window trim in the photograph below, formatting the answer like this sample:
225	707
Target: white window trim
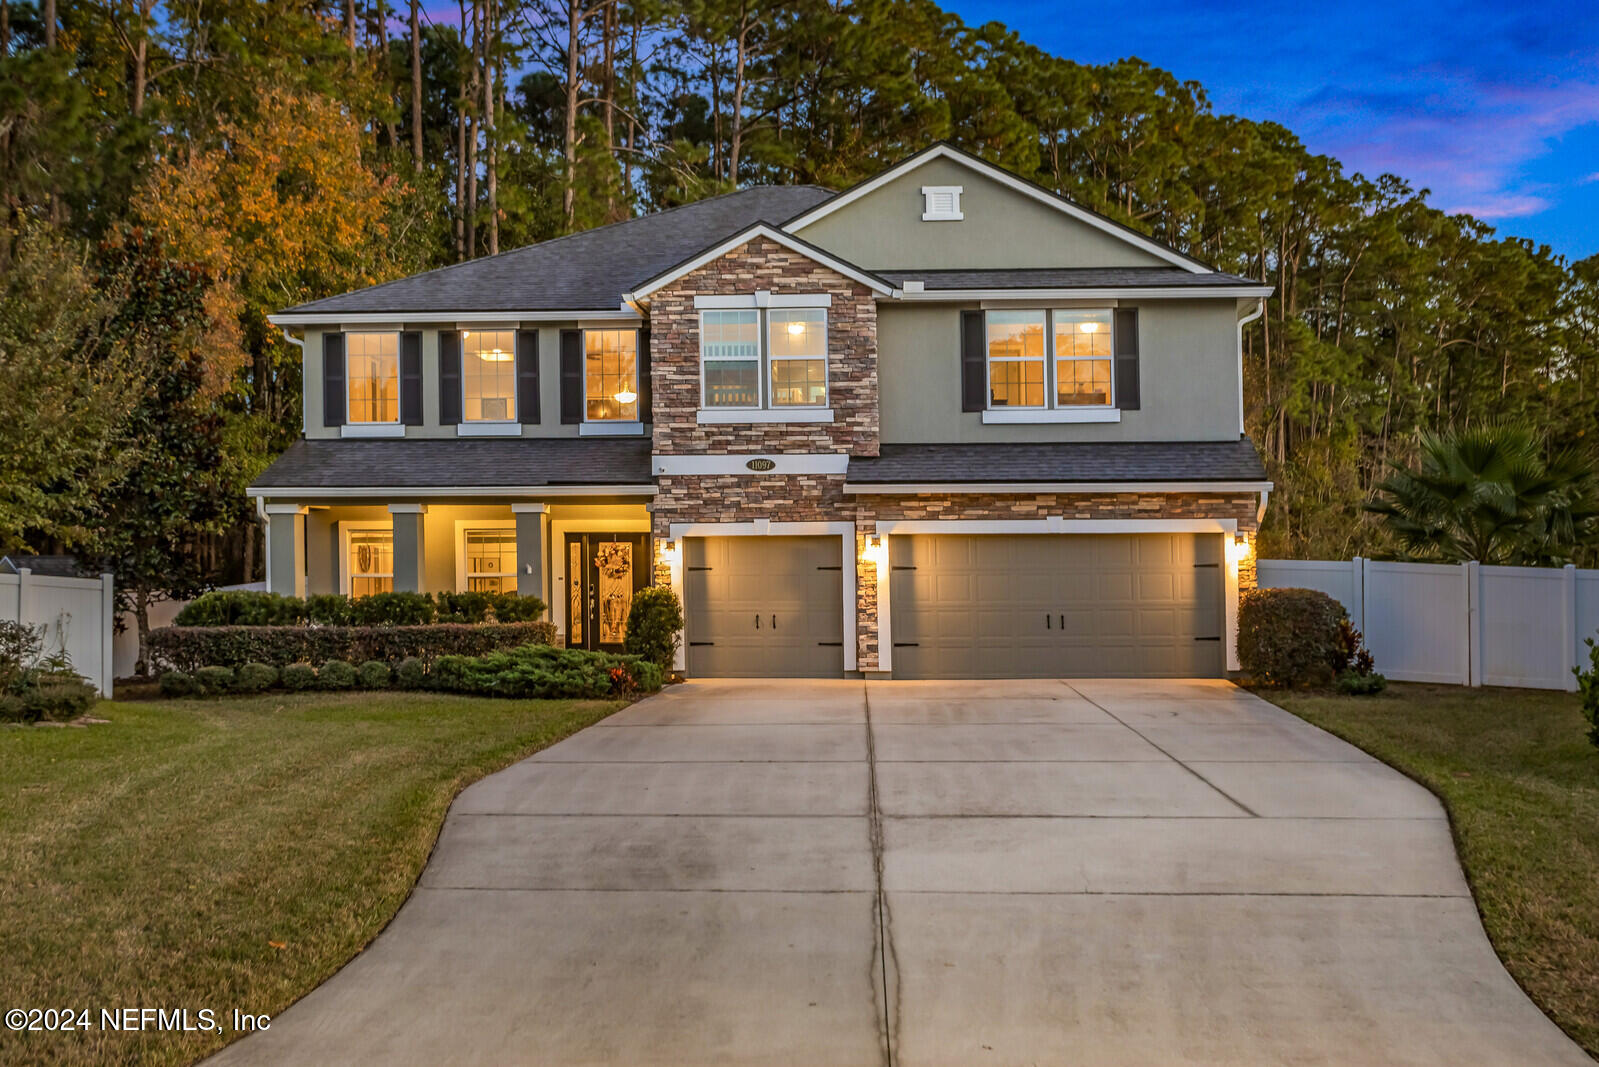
827	371
492	427
462	527
1052	411
765	411
487	428
931	192
626	427
744	413
727	416
396	428
762	299
345	528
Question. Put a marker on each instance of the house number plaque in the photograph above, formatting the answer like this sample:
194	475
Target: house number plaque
761	464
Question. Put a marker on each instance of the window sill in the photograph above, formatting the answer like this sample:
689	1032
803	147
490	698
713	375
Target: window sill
1051	415
611	429
731	416
488	429
371	429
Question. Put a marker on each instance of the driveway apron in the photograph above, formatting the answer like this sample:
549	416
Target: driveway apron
921	873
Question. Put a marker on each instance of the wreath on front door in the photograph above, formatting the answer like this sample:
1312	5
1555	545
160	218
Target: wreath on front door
614	559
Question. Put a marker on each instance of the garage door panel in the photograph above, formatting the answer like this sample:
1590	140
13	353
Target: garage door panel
761	607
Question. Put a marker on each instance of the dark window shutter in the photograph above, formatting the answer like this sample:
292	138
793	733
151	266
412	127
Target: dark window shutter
410	379
571	376
1127	358
644	376
974	362
449	377
527	377
333	379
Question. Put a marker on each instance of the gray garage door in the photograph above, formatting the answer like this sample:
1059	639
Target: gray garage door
1063	606
764	607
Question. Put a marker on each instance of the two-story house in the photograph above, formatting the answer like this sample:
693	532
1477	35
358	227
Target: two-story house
943	424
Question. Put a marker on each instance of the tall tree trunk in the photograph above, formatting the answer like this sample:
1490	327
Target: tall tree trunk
745	24
574	29
472	130
141	616
491	146
5	27
416	84
141	52
48	14
460	153
349	29
608	66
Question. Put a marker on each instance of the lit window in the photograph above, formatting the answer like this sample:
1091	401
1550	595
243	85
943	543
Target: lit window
490	561
1082	358
488	375
730	349
372	369
611	375
1016	359
797	339
371	562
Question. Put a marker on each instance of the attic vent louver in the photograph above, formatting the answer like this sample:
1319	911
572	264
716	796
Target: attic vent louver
941	203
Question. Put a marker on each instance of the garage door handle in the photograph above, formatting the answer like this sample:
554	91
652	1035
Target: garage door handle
1063	623
907	644
1046	620
698	644
757	622
831	644
774	622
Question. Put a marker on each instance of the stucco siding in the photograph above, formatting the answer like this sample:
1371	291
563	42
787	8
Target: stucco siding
1188	371
1001	228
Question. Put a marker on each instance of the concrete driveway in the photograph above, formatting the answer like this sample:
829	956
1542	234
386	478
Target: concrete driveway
839	873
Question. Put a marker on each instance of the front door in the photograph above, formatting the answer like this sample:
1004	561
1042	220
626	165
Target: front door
603	571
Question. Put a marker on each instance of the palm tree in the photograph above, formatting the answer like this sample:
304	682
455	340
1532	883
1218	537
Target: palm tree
1490	495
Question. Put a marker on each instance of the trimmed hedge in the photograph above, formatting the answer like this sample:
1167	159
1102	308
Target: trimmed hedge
1291	637
246	608
188	648
544	671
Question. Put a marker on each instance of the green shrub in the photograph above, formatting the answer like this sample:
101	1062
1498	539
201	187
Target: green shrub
373	674
254	677
1355	684
655	625
214	680
298	676
241	608
1291	637
55	696
336	674
246	608
393	609
411	673
328	609
178	684
19	651
188	648
1588	687
542	671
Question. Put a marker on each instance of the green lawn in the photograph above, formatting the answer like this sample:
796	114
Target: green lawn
227	854
1521	784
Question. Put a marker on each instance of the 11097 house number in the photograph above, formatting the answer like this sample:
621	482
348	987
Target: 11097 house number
761	464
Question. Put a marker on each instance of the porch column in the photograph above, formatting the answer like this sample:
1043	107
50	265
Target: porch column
410	552
285	548
531	540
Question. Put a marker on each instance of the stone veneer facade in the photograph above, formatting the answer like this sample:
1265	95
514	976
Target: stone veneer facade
763	264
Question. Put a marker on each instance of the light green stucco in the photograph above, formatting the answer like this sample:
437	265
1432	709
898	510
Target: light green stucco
1002	227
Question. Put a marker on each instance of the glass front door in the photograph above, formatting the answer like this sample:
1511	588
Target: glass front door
603	571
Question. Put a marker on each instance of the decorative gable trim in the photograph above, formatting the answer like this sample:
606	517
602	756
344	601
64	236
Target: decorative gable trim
744	237
1011	181
942	203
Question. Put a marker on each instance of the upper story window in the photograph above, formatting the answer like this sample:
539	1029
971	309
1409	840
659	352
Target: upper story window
372	367
610	359
488	375
764	358
1049	359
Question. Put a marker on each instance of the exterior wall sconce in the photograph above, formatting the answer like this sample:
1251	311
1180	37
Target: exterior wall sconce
875	552
669	551
1244	546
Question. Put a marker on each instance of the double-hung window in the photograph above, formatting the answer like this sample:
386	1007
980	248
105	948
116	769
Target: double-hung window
372	369
369	559
488	375
764	359
1049	359
488	559
610	375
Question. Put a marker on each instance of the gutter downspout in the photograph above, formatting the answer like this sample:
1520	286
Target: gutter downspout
1260	309
300	344
266	540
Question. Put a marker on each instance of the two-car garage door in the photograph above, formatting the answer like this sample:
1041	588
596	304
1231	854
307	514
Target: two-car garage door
1065	605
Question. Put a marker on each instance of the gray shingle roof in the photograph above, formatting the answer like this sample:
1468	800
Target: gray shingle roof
1066	278
1131	461
460	462
583	271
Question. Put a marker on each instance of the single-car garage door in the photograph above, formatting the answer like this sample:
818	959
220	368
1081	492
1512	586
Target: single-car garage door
764	607
1063	605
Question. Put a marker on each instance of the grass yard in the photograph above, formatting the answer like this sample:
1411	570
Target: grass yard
1521	784
225	854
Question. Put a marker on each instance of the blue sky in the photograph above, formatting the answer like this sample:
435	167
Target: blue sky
1492	106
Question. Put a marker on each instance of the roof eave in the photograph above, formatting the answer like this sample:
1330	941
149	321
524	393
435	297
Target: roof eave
1146	292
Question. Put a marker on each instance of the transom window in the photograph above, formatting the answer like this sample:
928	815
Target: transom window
1057	359
610	375
793	346
490	560
372	370
488	375
370	562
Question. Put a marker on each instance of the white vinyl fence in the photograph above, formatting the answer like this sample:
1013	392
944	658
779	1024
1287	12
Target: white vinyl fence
1462	624
76	614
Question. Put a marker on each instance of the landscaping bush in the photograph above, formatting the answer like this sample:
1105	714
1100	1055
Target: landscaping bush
1291	637
56	696
373	674
178	684
241	608
19	650
297	676
543	671
1588	686
214	680
483	607
188	648
328	609
655	625
33	686
1354	683
247	608
393	609
336	674
411	673
254	677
